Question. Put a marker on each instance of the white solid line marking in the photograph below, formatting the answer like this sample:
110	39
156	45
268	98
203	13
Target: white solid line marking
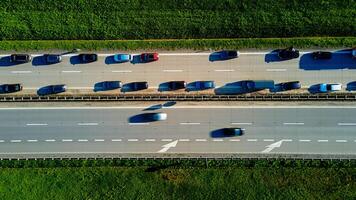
150	140
82	140
172	70
121	71
99	140
293	123
50	140
71	71
268	140
166	140
132	140
323	140
234	140
32	140
346	124
304	140
21	72
200	140
276	70
87	124
224	70
116	140
36	124
138	124
287	140
67	140
184	140
218	140
341	140
189	123
15	140
251	140
241	123
2	141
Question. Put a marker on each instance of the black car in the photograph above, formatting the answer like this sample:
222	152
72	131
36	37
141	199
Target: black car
292	85
135	86
288	53
20	58
177	85
52	58
88	57
52	89
321	55
228	54
9	88
229	132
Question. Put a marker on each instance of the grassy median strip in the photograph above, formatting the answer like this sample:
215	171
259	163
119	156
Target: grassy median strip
177	179
152	19
195	44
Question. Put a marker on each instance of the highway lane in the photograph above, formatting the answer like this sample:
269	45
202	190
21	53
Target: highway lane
183	66
298	129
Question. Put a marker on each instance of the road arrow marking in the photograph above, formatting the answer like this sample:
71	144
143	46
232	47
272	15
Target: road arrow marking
168	146
272	146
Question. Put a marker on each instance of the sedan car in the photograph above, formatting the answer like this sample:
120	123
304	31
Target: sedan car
204	85
228	54
321	55
107	85
20	58
52	89
135	86
325	87
149	57
292	85
229	132
121	58
88	57
177	85
9	88
52	58
288	53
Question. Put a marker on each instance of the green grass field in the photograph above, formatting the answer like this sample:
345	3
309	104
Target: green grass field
152	19
137	179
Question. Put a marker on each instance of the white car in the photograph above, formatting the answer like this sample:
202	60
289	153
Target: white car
325	87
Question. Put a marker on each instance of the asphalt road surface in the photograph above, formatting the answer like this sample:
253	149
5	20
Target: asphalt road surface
188	129
181	66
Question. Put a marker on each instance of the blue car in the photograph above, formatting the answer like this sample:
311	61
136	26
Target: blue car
121	58
52	89
52	58
204	85
230	132
107	85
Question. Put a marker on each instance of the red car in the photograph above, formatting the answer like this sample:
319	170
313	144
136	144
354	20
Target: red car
149	57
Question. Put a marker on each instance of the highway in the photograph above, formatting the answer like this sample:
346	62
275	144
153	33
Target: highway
188	129
181	66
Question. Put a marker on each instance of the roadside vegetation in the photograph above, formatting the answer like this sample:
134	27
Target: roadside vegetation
177	179
178	19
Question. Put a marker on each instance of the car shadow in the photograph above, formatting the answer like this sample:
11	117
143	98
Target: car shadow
153	107
272	56
74	60
232	88
162	87
5	62
341	59
314	89
351	86
109	60
141	118
169	103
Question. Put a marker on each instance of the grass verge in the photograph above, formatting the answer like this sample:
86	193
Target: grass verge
177	179
196	44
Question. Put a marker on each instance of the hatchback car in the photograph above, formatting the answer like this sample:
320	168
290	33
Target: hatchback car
204	85
321	55
228	54
229	132
88	57
325	87
177	85
121	58
292	85
20	58
52	89
107	85
288	53
149	57
9	88
52	58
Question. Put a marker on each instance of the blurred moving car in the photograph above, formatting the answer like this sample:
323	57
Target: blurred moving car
156	116
228	54
288	53
292	85
177	85
204	85
20	58
88	57
135	86
107	85
353	52
230	132
321	55
149	57
121	58
9	88
52	58
52	89
325	87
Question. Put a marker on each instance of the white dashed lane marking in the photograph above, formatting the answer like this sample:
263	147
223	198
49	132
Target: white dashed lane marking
82	140
150	140
341	140
87	124
67	140
32	140
116	140
132	140
304	140
218	140
99	140
323	140
15	140
50	140
201	140
251	140
189	123
36	124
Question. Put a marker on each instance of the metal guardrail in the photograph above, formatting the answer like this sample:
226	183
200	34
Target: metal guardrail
182	97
